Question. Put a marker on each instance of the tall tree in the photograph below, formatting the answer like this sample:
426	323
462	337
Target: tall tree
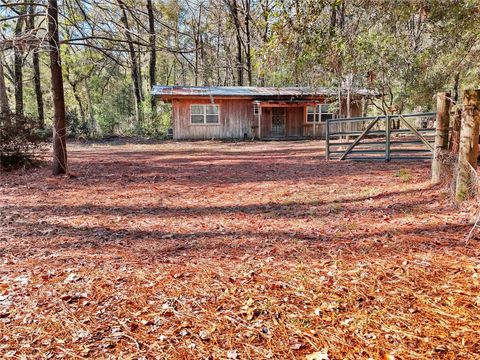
234	13
153	48
134	69
248	40
18	63
36	68
59	136
4	106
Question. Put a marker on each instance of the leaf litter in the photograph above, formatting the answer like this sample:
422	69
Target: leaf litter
234	251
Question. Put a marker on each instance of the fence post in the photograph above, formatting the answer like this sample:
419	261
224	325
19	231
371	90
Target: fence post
441	135
468	151
454	141
387	137
327	139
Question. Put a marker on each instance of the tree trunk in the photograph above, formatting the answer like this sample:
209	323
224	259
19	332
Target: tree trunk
339	94
349	94
153	50
205	65
364	107
4	106
265	14
36	70
133	64
248	41
38	90
91	113
333	20
197	62
18	66
140	76
441	136
468	152
59	136
76	95
233	6
456	87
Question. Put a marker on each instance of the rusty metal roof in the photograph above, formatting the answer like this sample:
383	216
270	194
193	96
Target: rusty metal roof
250	91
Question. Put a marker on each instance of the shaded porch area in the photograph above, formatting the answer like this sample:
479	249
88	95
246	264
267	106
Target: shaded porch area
285	120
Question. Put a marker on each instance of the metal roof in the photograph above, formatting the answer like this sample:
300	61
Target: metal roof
250	91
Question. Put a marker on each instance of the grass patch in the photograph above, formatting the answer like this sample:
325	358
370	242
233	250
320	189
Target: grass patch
403	174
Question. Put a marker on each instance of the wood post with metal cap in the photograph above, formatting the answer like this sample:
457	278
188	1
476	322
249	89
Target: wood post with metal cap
441	136
468	151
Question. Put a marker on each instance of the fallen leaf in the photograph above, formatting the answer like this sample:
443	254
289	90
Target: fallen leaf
232	354
319	355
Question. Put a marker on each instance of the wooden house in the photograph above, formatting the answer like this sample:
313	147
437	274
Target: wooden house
252	112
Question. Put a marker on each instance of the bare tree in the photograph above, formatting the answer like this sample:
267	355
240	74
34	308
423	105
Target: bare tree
133	63
59	136
36	68
248	40
234	13
18	63
153	49
4	106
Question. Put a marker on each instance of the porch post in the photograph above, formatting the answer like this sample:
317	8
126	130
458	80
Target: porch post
327	139
259	122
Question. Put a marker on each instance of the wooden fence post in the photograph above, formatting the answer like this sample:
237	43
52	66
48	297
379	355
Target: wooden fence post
468	151
454	142
441	135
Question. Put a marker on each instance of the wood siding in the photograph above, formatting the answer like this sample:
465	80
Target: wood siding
236	119
235	116
266	122
295	121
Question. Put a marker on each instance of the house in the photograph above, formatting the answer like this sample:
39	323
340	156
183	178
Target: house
253	112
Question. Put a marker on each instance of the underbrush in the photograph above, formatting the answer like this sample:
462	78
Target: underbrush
20	143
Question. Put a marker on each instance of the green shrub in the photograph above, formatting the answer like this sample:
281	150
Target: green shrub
20	143
155	124
76	127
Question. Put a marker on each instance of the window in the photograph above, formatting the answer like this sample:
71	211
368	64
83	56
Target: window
204	114
326	114
318	113
312	114
256	108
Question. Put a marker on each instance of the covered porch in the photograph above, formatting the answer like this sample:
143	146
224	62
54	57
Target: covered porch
275	120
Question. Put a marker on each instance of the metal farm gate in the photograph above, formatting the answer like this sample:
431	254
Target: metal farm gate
383	138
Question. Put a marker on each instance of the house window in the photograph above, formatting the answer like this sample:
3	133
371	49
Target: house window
204	114
312	114
320	113
256	108
326	114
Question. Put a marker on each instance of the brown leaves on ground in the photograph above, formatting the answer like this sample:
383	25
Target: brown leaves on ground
234	251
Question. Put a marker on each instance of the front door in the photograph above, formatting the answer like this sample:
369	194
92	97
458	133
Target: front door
278	121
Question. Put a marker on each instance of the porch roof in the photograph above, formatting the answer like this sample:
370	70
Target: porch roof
251	91
288	103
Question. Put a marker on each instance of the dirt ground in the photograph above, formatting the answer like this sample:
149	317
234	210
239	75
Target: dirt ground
209	250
